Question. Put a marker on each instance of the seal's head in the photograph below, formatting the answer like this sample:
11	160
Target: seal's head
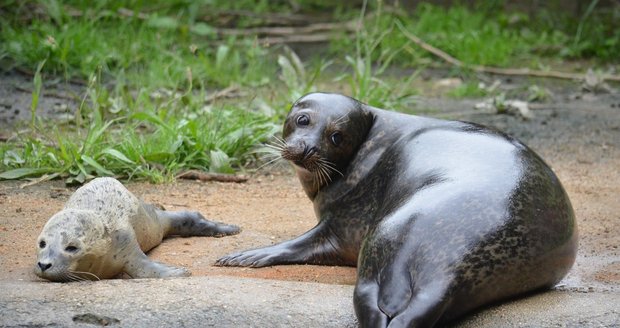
322	133
69	244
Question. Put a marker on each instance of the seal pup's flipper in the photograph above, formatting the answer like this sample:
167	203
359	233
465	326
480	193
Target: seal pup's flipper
140	266
317	246
189	223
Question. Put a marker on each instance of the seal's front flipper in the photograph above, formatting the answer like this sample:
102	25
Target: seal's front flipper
313	247
186	223
143	267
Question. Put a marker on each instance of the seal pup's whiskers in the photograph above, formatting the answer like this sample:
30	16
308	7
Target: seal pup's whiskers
81	274
68	277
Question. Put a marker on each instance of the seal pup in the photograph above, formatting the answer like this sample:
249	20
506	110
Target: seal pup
104	230
440	217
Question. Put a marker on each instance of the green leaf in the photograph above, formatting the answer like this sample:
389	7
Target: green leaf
23	172
220	162
38	82
100	169
158	157
162	22
202	29
144	116
221	55
12	157
118	155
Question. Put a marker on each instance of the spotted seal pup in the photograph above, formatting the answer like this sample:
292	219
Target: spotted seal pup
104	230
440	217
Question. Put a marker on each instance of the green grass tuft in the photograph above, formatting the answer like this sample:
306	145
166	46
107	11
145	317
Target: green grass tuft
149	68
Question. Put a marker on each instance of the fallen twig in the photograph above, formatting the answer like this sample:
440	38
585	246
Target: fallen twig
323	37
269	18
496	70
50	94
288	30
206	176
130	13
43	178
224	93
73	80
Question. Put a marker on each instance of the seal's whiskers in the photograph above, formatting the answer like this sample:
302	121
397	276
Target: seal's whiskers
271	161
331	166
272	152
279	141
344	119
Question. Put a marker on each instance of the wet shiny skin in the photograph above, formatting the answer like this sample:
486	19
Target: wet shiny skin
440	217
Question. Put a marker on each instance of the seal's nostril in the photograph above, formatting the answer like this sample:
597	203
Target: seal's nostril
309	151
44	266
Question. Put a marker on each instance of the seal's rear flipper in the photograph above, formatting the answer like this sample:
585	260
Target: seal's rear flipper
365	300
422	311
395	302
142	267
187	223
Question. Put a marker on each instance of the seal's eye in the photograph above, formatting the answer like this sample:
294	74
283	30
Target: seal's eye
336	138
42	244
71	249
303	120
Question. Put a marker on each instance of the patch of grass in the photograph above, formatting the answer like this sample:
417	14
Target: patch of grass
487	36
469	89
144	113
370	62
177	134
149	66
150	52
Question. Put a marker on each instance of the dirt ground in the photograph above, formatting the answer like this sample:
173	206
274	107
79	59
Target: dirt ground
577	134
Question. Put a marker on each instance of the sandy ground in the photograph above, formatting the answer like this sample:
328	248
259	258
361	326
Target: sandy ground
579	138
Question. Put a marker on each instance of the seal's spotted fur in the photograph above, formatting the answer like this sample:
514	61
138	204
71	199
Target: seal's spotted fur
441	217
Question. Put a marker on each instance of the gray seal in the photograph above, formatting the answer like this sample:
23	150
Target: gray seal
104	230
440	217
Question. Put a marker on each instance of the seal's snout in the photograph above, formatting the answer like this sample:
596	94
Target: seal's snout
301	155
44	266
295	151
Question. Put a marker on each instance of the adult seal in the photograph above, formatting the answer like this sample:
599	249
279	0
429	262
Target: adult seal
440	217
104	230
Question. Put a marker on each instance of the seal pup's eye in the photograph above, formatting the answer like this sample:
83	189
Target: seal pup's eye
336	138
303	120
42	244
71	249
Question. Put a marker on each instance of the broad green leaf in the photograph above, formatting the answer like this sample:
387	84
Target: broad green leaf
220	162
202	29
98	167
118	155
158	157
162	22
22	172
